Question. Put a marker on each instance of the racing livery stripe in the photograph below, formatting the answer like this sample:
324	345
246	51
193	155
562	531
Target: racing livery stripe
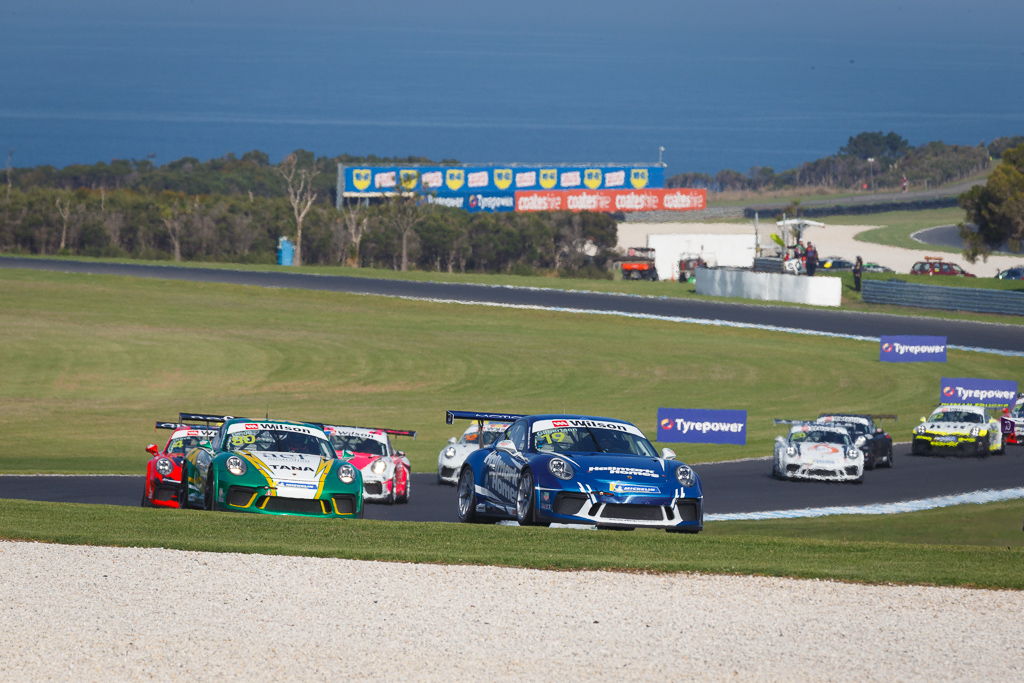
262	469
325	467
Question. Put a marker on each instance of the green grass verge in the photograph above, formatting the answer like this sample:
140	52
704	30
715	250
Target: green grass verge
725	547
89	362
850	299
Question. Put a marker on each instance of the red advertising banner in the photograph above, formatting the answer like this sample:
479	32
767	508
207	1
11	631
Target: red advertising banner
611	201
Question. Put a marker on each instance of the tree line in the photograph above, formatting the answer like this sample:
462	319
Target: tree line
870	160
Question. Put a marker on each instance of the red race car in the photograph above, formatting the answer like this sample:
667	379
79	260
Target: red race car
163	471
387	473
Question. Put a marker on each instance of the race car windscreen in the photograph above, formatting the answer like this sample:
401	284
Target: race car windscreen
265	440
591	440
956	416
820	436
183	445
357	444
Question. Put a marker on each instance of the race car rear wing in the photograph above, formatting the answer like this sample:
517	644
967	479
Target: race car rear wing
392	432
204	417
451	415
182	425
781	421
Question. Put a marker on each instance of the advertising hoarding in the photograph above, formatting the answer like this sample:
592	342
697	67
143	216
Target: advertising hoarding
695	425
443	181
612	201
994	393
912	349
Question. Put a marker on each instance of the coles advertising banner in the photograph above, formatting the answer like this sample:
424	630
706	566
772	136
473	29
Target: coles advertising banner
984	392
446	181
912	349
612	201
694	425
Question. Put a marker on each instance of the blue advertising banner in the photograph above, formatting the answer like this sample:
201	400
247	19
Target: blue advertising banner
695	425
475	203
447	181
985	392
912	349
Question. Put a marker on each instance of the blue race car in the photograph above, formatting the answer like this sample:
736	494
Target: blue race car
578	470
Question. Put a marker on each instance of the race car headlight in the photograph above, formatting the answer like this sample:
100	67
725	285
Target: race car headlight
236	466
790	451
378	466
685	475
920	429
164	466
347	474
861	440
852	453
560	468
449	452
977	431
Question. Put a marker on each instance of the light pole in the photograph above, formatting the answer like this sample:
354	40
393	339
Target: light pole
661	151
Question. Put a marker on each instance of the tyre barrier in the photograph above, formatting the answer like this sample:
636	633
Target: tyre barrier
899	293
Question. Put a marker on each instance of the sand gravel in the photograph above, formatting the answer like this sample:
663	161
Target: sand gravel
85	613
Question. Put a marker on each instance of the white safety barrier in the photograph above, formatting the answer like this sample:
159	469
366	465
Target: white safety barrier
746	284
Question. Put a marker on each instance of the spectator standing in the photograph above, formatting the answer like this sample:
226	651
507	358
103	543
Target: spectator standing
811	256
858	268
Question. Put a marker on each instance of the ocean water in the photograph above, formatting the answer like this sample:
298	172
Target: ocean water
735	86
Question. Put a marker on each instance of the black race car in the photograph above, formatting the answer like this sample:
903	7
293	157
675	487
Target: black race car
873	440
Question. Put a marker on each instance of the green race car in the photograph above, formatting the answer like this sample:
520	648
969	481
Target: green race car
274	467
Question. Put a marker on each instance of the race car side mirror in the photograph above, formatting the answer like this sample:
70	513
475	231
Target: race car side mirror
668	454
400	454
152	449
922	419
452	439
506	445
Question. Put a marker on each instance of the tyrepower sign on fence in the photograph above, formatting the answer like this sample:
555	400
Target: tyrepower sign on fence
445	181
912	349
613	201
694	425
985	392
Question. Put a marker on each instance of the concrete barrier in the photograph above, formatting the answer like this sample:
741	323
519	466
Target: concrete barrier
745	284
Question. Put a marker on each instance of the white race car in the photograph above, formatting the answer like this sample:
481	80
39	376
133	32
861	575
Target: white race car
958	428
387	473
451	457
814	450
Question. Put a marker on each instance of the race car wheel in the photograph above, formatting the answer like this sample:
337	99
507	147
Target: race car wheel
526	511
917	447
145	501
870	462
208	502
982	446
404	498
467	497
776	471
390	500
888	459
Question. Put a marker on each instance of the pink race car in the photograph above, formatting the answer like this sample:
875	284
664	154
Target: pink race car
387	473
163	471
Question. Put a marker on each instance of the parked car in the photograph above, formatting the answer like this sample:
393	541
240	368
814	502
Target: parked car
872	267
834	263
1014	273
933	267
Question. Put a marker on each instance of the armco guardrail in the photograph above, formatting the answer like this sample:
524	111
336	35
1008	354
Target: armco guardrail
900	293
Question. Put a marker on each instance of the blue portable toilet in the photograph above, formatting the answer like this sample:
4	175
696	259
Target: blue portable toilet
285	251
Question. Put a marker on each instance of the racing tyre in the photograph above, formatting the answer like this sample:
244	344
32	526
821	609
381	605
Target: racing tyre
888	459
390	500
404	498
145	501
776	472
982	451
916	448
208	502
526	510
467	497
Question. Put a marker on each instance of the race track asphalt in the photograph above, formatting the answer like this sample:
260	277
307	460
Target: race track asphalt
959	333
729	487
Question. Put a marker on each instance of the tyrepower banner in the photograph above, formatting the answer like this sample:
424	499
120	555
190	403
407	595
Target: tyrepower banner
475	203
912	349
613	201
694	425
446	181
993	393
